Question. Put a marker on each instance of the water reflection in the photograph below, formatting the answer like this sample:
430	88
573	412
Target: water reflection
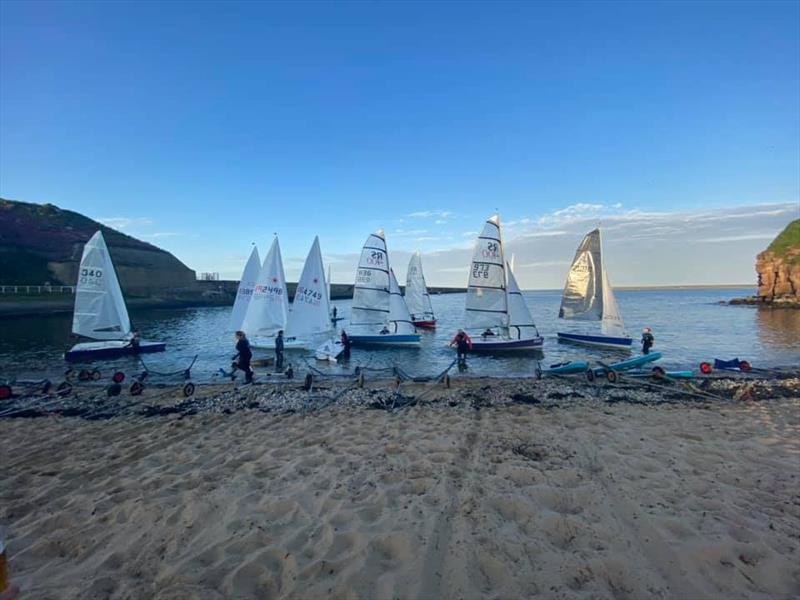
779	327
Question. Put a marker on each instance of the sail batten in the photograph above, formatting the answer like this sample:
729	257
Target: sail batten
371	290
100	311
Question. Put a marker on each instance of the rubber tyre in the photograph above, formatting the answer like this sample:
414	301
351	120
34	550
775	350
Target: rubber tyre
612	376
113	390
137	387
64	388
84	375
5	392
188	390
706	368
118	377
590	375
96	375
659	372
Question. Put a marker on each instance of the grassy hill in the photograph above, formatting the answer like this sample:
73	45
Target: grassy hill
787	240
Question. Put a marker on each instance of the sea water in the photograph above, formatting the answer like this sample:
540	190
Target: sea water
690	326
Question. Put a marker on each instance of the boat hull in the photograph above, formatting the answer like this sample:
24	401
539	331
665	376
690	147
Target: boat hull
599	341
110	349
425	324
329	351
288	344
628	364
569	368
506	345
389	339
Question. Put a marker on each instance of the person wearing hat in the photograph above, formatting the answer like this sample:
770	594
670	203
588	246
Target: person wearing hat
647	340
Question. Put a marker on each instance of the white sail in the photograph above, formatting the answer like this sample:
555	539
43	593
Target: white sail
371	290
269	305
245	291
399	317
520	321
487	302
329	282
583	293
100	311
310	314
417	298
611	322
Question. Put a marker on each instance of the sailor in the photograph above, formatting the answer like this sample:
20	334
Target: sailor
243	356
345	344
462	344
488	332
385	330
647	340
135	341
279	350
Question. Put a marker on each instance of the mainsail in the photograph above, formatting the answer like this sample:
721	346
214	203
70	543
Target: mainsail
487	302
417	297
310	312
520	321
269	305
399	317
611	323
583	293
371	291
100	311
245	291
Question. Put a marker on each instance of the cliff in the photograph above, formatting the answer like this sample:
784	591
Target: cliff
778	268
42	243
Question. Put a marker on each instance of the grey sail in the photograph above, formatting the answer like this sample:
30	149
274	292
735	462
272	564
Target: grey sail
583	293
371	291
487	301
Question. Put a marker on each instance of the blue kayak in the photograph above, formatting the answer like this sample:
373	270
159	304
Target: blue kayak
567	368
624	365
670	374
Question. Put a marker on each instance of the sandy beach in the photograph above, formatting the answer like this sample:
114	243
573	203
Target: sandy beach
490	495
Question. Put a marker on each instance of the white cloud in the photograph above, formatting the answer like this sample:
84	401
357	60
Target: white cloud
427	214
160	234
125	222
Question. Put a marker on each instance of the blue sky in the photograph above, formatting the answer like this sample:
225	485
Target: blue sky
203	127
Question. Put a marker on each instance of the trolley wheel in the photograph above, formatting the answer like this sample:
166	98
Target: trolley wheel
447	380
64	388
84	375
96	375
706	368
46	386
118	377
590	375
309	381
5	392
744	366
360	380
188	390
137	387
70	374
113	390
612	376
659	372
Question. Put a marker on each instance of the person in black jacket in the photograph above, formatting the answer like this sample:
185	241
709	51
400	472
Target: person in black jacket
243	356
345	344
279	350
647	340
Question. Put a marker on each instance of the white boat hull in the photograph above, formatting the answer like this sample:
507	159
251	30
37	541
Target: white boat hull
111	349
288	344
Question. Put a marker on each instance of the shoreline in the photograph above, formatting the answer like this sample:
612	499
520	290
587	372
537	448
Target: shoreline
511	488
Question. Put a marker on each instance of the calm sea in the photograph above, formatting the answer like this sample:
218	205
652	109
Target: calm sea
689	325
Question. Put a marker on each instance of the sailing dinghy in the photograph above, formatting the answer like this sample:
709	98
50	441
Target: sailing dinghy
588	296
268	310
417	298
377	301
494	301
245	291
100	311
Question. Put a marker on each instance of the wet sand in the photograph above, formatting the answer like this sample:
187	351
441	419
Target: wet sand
495	499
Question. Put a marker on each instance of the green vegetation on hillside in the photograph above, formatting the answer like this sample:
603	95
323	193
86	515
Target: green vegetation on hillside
787	239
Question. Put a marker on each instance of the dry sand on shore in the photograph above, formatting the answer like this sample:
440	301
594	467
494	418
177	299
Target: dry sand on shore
514	501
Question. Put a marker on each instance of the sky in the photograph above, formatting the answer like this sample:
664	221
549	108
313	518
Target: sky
206	127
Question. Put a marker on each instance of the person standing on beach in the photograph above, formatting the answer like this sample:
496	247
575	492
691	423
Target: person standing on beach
345	344
647	340
279	350
463	344
243	356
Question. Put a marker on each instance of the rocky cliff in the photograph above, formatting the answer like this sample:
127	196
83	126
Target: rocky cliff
42	243
778	268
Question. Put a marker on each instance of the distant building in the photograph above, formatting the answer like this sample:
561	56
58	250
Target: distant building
209	277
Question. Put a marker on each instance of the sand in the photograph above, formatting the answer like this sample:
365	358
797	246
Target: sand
585	500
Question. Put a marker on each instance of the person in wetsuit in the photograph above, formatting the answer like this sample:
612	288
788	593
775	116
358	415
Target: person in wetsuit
647	340
345	344
462	344
279	350
243	356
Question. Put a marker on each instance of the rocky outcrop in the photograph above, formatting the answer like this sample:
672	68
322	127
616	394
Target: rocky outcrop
778	269
42	243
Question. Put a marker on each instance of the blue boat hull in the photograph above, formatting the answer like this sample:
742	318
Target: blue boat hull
506	345
578	366
628	364
389	339
107	350
601	341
